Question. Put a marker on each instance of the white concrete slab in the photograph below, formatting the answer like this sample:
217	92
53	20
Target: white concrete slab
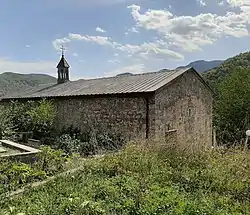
19	146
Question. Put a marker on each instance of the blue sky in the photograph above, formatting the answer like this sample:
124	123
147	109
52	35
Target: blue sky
107	37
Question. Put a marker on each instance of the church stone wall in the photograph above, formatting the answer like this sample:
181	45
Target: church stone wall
126	115
183	111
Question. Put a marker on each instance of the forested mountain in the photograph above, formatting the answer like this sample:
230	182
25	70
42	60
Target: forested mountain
202	65
218	74
11	82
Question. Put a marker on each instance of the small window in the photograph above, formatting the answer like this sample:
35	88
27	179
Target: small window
189	112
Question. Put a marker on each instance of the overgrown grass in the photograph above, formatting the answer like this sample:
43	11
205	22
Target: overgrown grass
145	179
15	175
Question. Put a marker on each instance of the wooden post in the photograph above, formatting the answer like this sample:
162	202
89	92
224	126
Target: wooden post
246	146
246	141
214	138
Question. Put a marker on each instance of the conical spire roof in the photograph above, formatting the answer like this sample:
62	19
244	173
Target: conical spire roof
63	63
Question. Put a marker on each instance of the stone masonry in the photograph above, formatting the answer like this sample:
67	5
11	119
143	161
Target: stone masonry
183	107
126	115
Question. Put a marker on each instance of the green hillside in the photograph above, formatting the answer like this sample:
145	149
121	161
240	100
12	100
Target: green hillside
12	82
218	74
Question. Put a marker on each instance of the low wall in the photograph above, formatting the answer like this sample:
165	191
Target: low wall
26	154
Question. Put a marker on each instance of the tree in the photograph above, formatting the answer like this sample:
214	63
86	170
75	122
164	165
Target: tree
42	118
6	126
232	109
37	117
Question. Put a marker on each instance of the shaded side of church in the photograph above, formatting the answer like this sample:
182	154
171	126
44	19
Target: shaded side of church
165	104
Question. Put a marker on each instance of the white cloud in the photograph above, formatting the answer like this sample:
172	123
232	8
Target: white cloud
94	39
191	33
244	6
27	46
75	54
152	49
175	35
98	29
58	42
202	3
221	3
100	40
113	61
132	30
27	67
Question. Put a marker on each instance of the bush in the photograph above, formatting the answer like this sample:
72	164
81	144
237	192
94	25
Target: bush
91	142
71	131
50	160
14	175
68	144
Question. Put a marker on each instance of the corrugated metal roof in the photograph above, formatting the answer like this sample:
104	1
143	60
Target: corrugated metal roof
146	82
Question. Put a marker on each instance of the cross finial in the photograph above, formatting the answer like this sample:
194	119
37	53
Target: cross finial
63	49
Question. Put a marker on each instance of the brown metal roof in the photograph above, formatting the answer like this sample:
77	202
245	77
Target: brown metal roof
146	82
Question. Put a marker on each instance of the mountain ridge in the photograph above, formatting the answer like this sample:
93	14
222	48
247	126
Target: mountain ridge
203	65
10	82
213	72
216	75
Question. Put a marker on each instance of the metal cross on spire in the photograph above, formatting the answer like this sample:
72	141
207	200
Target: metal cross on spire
63	49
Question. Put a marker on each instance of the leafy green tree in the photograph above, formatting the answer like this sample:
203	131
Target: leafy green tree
41	118
232	109
37	117
19	115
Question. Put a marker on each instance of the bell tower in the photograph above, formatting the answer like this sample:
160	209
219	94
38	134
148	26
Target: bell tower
63	69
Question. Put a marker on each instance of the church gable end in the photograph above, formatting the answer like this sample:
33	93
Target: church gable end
184	110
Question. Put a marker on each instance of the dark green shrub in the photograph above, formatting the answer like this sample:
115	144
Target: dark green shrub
90	142
232	109
68	144
14	175
87	148
109	141
71	131
50	160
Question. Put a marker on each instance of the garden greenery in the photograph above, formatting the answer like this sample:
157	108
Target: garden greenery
232	107
147	179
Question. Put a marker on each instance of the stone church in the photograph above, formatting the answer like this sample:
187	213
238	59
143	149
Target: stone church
166	104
